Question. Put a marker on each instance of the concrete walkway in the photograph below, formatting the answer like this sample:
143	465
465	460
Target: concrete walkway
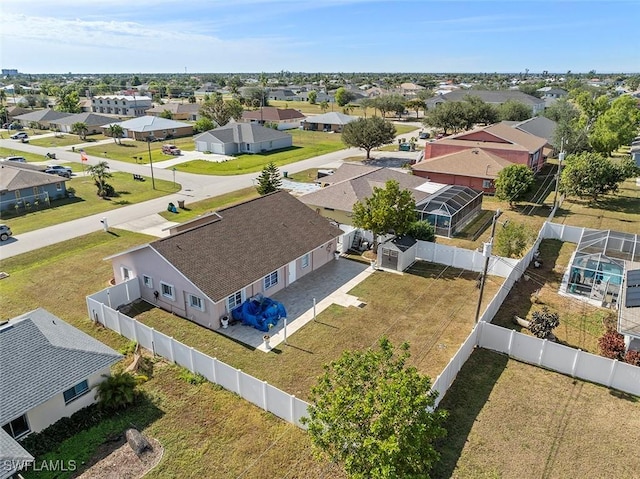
328	285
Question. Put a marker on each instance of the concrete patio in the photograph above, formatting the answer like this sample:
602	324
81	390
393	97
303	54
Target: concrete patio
328	285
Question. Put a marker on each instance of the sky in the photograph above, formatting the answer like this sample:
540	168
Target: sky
220	36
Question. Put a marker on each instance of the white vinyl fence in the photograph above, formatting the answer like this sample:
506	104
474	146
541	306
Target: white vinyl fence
260	393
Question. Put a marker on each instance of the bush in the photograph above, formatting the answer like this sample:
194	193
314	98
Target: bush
128	348
191	378
543	322
422	230
612	345
117	391
632	357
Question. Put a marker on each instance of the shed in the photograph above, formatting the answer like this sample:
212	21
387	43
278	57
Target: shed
397	253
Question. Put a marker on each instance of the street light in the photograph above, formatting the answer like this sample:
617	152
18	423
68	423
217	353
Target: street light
486	252
150	138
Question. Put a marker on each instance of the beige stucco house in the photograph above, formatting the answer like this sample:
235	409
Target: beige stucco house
210	265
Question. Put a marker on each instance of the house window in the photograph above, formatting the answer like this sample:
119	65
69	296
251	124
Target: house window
59	186
487	183
305	261
270	280
234	300
76	391
148	281
126	274
35	191
18	427
17	194
167	291
196	302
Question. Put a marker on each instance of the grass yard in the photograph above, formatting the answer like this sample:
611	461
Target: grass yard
307	144
513	420
580	323
205	431
66	139
138	151
86	202
30	157
198	208
422	307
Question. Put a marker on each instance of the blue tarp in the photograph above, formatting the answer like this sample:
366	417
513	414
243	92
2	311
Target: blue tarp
259	312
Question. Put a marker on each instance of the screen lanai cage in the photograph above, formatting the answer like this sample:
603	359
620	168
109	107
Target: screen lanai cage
450	209
598	265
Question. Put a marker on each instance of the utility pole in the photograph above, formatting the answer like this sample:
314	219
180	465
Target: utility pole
560	160
486	252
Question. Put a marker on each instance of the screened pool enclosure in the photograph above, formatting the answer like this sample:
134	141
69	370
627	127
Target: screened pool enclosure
598	265
450	209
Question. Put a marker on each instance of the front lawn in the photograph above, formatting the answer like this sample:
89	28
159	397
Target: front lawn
86	202
513	420
137	152
66	139
4	152
307	144
208	205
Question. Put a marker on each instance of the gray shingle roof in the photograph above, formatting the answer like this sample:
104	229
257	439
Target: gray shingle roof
342	195
11	450
250	240
40	357
538	126
14	178
42	115
331	118
492	96
150	123
242	133
91	119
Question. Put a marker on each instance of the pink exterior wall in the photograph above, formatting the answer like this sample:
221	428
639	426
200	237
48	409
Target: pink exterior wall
448	179
146	262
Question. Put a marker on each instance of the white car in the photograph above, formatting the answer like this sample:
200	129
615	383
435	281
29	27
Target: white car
5	232
19	159
19	136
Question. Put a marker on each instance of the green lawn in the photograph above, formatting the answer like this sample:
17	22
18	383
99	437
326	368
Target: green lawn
65	139
307	144
513	420
138	151
86	202
198	208
30	157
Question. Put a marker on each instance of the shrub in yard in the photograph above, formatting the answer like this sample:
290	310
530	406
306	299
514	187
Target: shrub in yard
117	391
543	322
612	345
512	240
191	378
632	357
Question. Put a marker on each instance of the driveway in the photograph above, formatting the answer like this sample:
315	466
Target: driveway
328	285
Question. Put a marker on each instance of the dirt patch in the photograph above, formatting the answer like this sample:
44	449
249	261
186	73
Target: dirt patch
116	460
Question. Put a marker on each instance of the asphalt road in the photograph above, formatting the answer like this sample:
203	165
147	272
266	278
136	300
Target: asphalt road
194	188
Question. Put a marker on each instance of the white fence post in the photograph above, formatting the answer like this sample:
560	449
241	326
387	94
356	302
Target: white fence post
214	361
126	288
172	358
612	372
511	336
134	325
153	341
264	396
193	369
575	363
238	373
544	346
104	322
292	400
119	326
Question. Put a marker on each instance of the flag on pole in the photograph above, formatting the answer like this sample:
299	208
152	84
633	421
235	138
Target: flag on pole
83	156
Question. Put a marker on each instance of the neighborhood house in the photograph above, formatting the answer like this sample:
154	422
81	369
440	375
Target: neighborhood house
212	264
237	138
23	188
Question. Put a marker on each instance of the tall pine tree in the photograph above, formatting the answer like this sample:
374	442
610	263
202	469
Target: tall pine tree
269	180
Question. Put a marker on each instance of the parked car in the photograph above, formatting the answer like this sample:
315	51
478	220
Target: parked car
15	126
19	159
59	170
170	150
5	232
423	135
19	136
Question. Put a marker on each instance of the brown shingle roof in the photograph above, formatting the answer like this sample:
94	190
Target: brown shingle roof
521	140
474	162
271	113
250	240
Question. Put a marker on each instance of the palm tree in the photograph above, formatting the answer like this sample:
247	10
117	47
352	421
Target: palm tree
3	97
81	129
116	132
100	174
